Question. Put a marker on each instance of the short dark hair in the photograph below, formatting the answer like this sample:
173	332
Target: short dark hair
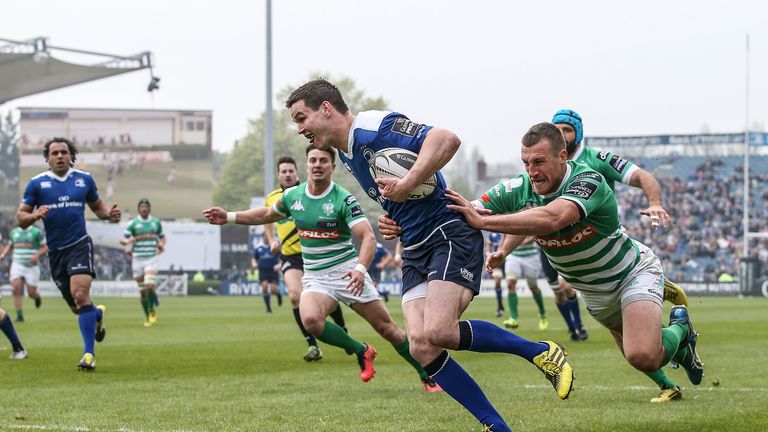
144	201
315	92
545	131
70	145
286	159
328	150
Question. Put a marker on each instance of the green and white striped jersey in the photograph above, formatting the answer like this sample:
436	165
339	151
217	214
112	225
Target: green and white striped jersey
594	254
525	251
147	234
613	167
26	242
324	223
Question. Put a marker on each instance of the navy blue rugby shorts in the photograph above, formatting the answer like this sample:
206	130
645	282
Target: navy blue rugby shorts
72	260
453	252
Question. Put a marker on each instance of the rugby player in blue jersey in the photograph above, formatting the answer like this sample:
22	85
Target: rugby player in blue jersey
443	256
58	197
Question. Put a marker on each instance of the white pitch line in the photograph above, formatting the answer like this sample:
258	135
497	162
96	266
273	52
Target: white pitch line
43	427
646	388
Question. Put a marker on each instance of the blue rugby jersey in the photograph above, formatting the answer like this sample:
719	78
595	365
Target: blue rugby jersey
266	258
377	130
66	197
494	239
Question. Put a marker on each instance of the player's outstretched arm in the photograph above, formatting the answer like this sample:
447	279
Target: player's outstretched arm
548	219
644	180
254	216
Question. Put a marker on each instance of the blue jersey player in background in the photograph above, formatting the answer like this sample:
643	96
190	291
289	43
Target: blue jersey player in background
58	197
494	240
267	263
443	255
381	259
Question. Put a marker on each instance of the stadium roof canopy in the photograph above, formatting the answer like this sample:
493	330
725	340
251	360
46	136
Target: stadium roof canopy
33	66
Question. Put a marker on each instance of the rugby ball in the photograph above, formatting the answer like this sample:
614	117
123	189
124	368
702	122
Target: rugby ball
396	162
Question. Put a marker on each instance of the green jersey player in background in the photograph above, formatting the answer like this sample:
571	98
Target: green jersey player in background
145	234
326	217
575	222
28	245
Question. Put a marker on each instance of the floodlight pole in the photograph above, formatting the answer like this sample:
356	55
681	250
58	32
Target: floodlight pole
745	219
269	153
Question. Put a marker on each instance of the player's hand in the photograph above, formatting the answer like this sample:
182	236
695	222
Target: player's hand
275	246
388	228
393	189
33	259
658	216
397	260
473	215
114	214
493	260
160	248
356	282
215	215
41	212
128	251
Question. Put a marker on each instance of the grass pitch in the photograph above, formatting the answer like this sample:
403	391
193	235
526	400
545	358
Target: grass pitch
222	364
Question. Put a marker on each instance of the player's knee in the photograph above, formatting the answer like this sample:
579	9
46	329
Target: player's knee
443	336
314	323
643	361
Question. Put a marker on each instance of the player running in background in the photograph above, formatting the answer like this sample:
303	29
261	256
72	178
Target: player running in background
574	219
289	247
443	256
6	326
59	197
523	263
327	216
268	263
28	245
494	239
145	234
381	259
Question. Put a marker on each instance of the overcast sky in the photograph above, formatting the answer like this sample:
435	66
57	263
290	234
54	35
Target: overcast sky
485	69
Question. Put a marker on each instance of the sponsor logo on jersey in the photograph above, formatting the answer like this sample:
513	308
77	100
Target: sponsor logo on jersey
372	192
350	199
357	211
367	154
590	175
572	238
581	189
324	224
485	198
79	182
328	208
466	274
349	168
45	185
603	155
319	234
297	206
405	127
64	198
514	183
618	163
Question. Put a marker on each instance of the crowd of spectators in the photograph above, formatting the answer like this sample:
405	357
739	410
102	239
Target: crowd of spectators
704	242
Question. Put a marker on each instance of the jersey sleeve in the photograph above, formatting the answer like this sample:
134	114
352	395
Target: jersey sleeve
351	211
160	233
588	191
399	129
93	193
31	194
613	166
281	205
506	197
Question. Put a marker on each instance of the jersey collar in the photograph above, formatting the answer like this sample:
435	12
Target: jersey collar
64	177
578	152
323	194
